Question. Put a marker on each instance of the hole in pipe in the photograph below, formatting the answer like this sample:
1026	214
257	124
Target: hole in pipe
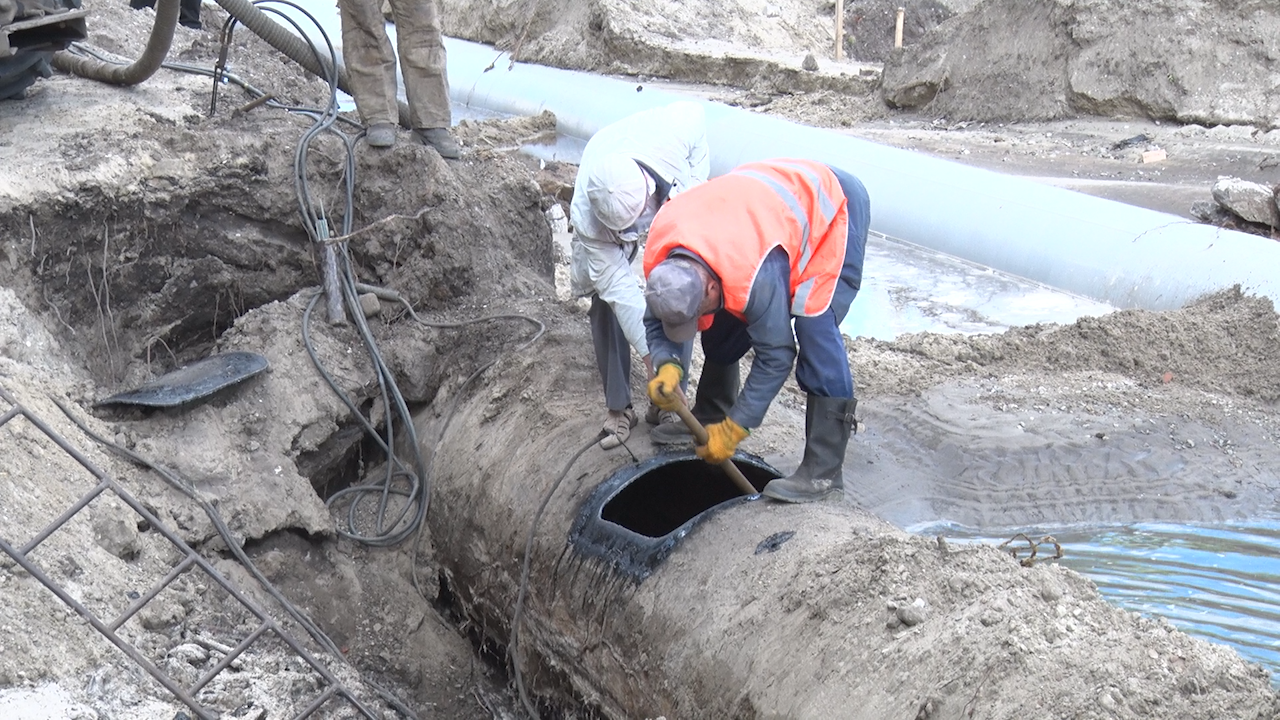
659	501
636	517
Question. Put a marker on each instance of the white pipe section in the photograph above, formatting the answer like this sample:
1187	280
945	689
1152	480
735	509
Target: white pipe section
1101	249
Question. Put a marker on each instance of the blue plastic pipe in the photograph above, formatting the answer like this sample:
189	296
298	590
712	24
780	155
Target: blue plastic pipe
1125	256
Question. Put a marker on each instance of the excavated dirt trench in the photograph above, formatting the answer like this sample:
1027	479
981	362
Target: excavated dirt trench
159	271
202	251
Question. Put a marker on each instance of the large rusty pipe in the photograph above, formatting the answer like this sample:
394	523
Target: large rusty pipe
752	609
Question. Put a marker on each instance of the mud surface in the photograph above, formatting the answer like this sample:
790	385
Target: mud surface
140	234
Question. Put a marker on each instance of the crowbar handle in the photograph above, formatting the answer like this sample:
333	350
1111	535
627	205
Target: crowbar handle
700	434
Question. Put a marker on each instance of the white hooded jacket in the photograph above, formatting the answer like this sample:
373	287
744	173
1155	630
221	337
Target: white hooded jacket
672	141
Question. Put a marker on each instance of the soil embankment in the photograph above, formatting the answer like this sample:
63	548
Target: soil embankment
1205	63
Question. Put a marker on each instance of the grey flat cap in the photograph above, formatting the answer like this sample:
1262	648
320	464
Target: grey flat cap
674	292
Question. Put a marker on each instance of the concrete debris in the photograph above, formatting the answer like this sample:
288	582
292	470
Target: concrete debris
1252	202
370	305
1153	156
1208	211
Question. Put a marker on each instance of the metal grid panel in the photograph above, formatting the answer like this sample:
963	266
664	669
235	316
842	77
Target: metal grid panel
267	626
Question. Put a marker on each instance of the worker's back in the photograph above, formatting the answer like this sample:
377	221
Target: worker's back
671	140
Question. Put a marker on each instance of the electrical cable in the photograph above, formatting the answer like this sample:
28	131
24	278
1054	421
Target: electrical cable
513	644
387	532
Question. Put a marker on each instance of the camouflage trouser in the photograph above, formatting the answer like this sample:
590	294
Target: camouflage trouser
371	65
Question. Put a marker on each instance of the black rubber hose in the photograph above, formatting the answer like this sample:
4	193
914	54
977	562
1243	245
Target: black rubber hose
142	68
297	49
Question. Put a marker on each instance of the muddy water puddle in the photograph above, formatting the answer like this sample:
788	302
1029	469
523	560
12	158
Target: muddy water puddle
907	288
1219	582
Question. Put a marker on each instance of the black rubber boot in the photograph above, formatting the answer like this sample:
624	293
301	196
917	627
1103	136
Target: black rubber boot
717	392
827	425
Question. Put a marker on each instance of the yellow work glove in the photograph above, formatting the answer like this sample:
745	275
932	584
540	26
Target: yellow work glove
664	388
722	439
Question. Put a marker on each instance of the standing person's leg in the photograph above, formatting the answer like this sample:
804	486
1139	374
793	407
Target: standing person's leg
822	365
602	272
189	14
371	67
613	355
822	370
424	66
613	359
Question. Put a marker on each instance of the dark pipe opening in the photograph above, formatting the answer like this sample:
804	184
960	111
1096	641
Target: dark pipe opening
657	502
636	517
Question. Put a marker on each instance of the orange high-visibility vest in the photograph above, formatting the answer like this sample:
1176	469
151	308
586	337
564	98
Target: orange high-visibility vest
732	222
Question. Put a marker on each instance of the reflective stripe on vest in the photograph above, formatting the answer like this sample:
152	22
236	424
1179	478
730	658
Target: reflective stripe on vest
825	205
801	296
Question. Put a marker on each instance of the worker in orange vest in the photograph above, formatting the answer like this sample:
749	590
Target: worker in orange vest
742	258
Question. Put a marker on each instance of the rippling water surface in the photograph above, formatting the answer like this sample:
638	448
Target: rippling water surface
1219	582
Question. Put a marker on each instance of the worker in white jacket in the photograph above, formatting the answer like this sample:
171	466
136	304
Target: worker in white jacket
628	170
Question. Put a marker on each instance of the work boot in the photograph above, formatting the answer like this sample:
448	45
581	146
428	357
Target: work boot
440	139
618	424
827	424
670	430
717	391
380	135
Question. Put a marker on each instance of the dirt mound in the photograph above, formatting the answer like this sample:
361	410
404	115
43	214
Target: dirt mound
211	229
869	25
1227	343
1207	63
745	43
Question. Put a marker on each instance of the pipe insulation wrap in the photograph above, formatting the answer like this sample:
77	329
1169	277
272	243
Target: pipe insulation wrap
1115	253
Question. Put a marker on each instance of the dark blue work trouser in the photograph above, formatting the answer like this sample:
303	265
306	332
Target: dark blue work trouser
822	366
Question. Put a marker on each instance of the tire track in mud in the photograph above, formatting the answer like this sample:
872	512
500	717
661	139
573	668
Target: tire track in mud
948	456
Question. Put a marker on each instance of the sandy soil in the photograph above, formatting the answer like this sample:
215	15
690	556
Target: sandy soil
140	234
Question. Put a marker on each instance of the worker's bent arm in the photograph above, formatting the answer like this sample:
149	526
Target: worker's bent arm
661	349
687	123
695	130
768	316
617	286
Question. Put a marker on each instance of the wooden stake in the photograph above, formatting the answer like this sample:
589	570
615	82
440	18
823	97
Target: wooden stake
897	28
839	29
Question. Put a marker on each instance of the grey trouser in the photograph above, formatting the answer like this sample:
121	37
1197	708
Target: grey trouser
613	355
371	65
